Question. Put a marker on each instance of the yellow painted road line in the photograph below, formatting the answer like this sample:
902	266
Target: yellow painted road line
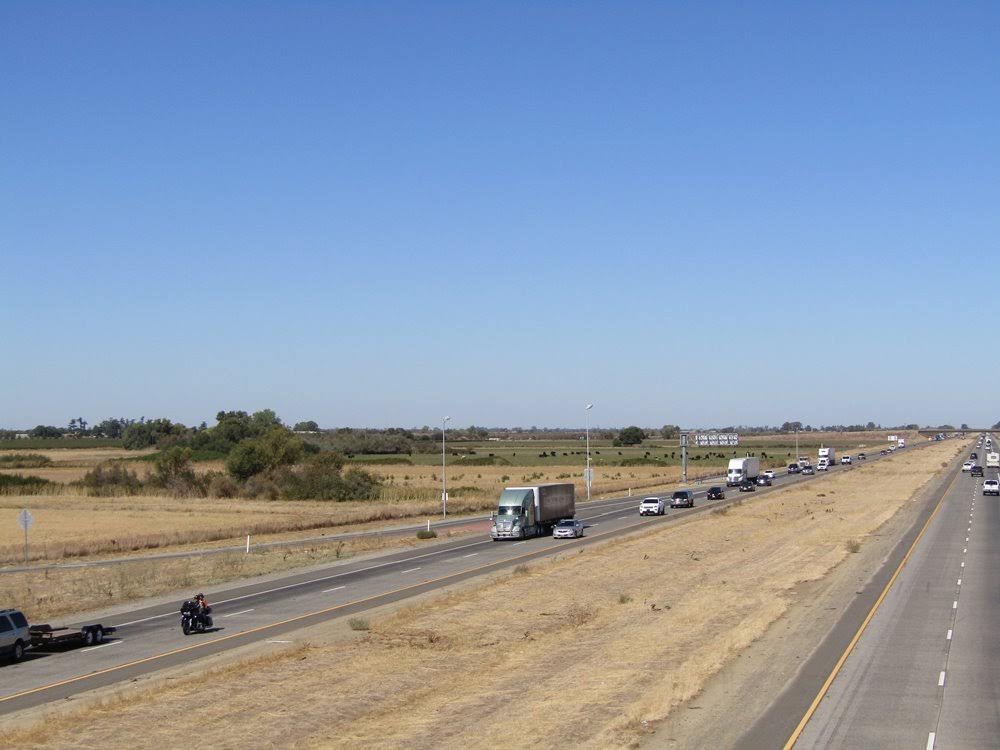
864	625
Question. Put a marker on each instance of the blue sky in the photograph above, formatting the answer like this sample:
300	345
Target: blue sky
381	213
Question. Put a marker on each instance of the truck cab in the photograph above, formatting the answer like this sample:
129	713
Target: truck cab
515	514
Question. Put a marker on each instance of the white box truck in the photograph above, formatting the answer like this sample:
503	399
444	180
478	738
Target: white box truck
742	468
532	511
993	460
829	454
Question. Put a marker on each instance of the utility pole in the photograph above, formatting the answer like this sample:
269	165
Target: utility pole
588	475
684	456
444	478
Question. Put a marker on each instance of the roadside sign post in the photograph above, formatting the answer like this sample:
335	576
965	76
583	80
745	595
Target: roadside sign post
24	520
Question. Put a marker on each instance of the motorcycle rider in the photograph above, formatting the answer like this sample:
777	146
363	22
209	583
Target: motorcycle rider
204	610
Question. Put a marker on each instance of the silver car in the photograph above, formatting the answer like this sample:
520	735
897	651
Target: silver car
570	528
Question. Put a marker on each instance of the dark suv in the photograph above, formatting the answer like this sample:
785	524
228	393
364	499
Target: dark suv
682	499
763	481
716	493
977	470
747	485
794	468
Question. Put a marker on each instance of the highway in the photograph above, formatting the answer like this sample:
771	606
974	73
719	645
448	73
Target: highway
925	673
149	636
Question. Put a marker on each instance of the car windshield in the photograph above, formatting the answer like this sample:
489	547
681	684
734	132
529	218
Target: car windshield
568	524
715	489
651	500
680	495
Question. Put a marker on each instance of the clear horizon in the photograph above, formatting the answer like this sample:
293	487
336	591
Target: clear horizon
381	214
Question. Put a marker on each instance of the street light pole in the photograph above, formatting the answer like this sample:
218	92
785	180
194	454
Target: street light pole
444	478
796	446
589	475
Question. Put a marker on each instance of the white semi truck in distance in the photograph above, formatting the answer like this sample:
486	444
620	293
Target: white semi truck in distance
993	460
742	468
827	456
532	511
901	443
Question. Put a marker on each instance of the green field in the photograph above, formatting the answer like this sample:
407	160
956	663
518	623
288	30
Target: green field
773	451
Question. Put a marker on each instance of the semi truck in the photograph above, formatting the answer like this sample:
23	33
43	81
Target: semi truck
901	443
993	460
830	454
532	511
742	468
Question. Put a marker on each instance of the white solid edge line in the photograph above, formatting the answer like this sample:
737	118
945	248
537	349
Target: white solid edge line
941	680
335	588
930	741
243	612
277	641
103	645
411	570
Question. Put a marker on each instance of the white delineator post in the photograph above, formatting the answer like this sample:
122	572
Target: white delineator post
248	544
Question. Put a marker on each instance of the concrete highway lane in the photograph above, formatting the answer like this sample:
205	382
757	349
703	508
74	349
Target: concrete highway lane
926	671
149	637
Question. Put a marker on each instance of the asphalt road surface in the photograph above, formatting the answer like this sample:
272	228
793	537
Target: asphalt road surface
149	638
926	671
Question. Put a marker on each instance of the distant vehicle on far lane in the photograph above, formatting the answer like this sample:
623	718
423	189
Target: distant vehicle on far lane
862	456
845	460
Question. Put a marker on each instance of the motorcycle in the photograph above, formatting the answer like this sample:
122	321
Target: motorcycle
193	619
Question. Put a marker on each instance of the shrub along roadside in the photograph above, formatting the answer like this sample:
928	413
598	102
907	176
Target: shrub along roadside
17	484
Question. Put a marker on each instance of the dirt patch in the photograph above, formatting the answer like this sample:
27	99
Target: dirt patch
609	639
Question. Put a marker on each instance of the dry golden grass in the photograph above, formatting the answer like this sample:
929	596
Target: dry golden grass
609	640
71	525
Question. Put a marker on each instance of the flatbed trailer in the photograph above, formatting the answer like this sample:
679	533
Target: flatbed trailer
47	636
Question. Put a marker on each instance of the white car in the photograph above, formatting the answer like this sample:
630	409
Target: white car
991	487
845	459
967	466
568	527
769	474
822	466
14	636
652	506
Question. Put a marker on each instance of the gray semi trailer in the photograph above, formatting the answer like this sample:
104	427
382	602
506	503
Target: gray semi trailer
532	511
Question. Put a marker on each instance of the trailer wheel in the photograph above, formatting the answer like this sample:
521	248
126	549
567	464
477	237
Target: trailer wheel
88	637
18	653
99	634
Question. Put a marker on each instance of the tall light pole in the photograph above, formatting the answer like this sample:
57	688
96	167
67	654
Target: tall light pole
588	475
444	478
796	445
